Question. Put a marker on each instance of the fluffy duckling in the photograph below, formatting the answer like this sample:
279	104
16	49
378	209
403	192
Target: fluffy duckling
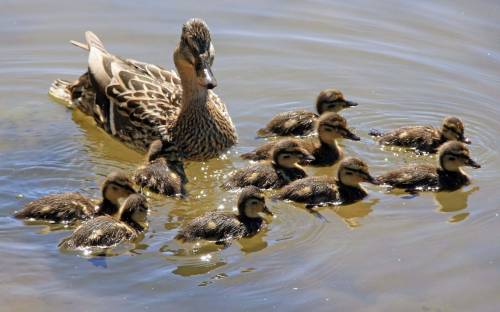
424	138
324	148
164	171
302	122
320	190
446	176
69	207
106	231
223	227
281	170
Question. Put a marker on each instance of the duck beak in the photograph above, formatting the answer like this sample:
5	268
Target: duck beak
466	140
206	77
308	158
350	103
349	135
267	211
471	163
372	180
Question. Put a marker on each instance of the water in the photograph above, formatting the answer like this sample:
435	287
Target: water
404	62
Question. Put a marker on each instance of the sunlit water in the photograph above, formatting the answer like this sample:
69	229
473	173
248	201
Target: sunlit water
404	62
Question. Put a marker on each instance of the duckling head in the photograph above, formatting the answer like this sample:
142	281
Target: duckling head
134	211
453	155
287	153
195	53
252	202
353	171
170	152
453	129
332	126
332	100
117	186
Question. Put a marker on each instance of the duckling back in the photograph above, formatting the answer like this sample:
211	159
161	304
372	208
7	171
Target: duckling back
289	124
159	178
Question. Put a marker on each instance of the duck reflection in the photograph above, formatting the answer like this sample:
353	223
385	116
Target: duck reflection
350	214
452	202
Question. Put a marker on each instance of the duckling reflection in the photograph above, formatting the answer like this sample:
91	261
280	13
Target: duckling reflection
323	147
424	138
298	123
164	171
223	227
447	176
351	214
70	207
453	202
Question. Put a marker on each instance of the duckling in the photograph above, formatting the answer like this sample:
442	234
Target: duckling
299	123
330	126
164	171
69	207
320	190
446	176
137	102
424	138
283	168
223	227
106	231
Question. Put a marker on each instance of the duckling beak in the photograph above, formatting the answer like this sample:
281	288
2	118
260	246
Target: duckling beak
466	140
267	211
472	163
349	135
206	77
350	103
372	180
308	158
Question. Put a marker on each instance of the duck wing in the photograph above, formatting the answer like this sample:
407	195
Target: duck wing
411	177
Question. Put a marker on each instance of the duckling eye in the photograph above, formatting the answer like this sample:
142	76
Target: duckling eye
286	156
348	172
452	158
328	129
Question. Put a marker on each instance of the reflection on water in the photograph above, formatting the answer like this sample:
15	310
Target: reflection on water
351	214
454	202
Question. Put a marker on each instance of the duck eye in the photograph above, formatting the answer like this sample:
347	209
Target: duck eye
452	158
328	129
348	172
286	156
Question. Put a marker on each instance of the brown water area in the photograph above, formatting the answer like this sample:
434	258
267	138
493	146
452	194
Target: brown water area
404	62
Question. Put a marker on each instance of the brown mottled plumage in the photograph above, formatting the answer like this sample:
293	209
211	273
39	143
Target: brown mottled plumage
303	122
106	231
321	190
446	176
69	207
163	172
139	102
224	227
424	138
273	174
324	148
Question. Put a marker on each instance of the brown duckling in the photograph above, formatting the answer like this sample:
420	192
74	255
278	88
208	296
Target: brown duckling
106	231
424	138
302	122
324	148
281	170
164	171
223	227
322	190
68	207
446	176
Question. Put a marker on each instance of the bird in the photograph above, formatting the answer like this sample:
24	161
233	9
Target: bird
73	206
330	127
301	123
321	190
138	102
425	139
107	231
163	172
223	227
447	175
275	173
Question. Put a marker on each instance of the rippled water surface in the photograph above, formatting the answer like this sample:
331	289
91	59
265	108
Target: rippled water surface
405	62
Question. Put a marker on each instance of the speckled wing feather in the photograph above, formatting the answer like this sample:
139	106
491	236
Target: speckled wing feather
290	124
260	153
103	231
157	177
411	177
423	138
261	175
59	208
311	190
216	226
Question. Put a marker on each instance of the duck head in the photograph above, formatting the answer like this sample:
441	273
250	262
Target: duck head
289	152
332	126
116	187
353	171
332	100
453	129
134	211
453	155
251	203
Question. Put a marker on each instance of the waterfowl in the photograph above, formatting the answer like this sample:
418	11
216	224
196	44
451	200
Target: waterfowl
424	138
281	170
447	175
224	227
69	207
106	231
138	102
298	123
320	190
163	172
330	126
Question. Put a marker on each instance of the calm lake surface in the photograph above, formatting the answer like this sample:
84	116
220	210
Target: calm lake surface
405	62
